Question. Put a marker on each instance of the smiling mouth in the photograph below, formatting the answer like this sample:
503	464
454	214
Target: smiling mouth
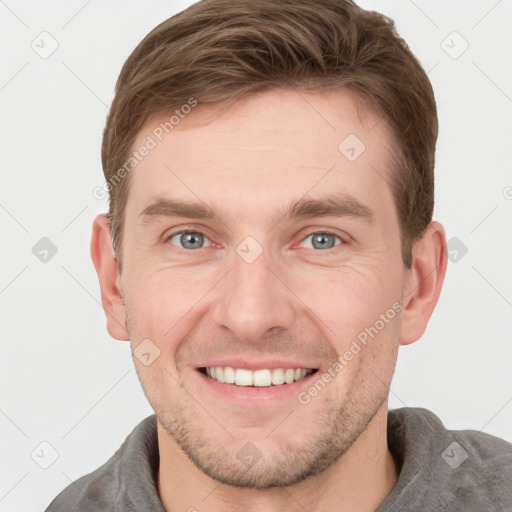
258	378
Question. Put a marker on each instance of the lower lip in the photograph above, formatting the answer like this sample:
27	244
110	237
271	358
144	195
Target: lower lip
255	394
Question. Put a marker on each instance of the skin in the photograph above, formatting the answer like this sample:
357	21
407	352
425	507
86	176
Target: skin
247	164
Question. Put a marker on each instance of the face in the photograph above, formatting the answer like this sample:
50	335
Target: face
249	271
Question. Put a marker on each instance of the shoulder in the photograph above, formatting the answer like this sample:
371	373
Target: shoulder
100	490
450	469
92	492
481	464
418	425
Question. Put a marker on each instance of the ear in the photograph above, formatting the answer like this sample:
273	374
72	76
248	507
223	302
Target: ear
423	283
105	263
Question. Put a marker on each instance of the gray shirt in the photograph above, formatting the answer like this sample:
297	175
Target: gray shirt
441	470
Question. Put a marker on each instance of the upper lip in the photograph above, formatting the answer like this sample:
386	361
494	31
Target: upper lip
254	363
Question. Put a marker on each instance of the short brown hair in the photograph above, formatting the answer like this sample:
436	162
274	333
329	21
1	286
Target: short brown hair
219	50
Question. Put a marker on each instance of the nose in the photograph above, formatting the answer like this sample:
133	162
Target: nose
254	300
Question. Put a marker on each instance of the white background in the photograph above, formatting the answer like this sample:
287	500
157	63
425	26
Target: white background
63	380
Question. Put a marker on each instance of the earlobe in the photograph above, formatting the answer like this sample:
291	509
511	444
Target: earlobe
105	263
423	283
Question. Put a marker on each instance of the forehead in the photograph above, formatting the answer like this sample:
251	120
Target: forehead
264	150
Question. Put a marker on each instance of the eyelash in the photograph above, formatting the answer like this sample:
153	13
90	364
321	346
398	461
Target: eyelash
182	231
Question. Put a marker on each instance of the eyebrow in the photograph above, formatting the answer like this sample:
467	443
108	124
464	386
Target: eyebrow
343	205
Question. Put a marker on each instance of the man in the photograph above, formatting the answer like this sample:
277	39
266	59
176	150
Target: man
269	246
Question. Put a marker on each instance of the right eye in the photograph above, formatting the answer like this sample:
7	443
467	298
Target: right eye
188	239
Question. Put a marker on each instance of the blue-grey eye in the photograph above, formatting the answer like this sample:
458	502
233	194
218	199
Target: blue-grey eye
322	240
189	240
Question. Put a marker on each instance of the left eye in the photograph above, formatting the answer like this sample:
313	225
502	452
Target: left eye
321	240
189	239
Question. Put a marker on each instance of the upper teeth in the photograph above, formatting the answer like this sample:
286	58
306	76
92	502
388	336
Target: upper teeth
242	377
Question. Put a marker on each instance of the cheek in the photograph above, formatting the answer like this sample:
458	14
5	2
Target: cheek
162	300
350	301
347	299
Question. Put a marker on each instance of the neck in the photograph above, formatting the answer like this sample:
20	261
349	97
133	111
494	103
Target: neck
359	480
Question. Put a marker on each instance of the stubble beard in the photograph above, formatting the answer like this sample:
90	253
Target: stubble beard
291	460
